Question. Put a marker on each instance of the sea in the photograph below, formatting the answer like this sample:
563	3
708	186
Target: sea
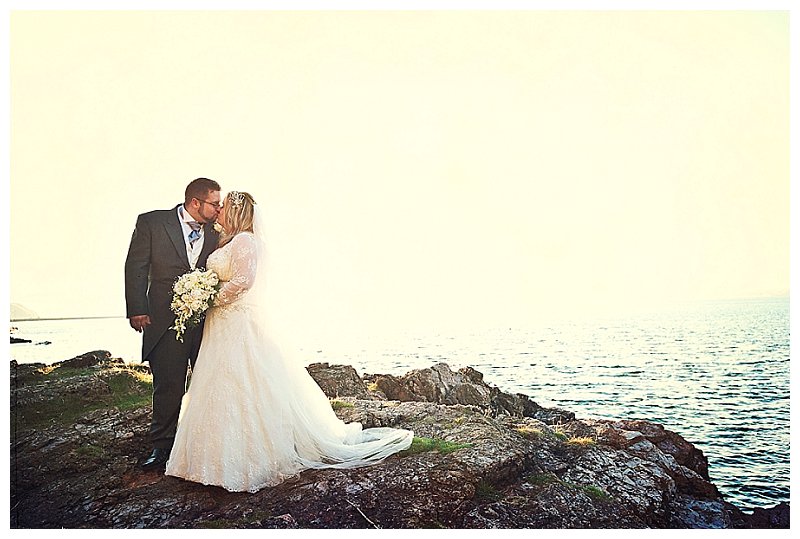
717	373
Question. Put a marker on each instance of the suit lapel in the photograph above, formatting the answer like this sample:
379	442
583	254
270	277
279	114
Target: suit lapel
175	233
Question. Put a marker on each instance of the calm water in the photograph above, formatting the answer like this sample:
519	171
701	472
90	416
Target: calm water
716	373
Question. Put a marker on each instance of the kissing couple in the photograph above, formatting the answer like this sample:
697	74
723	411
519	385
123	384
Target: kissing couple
251	417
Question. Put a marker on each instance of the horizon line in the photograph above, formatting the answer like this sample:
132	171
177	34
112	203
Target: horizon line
786	295
64	318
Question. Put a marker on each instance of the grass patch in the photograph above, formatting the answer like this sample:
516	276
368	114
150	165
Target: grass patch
582	441
529	432
338	405
127	389
592	490
486	492
130	389
91	451
58	373
421	445
596	492
26	377
541	479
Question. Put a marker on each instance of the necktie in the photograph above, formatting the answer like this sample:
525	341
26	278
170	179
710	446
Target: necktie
194	235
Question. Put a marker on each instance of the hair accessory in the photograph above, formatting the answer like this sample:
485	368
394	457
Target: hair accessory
236	198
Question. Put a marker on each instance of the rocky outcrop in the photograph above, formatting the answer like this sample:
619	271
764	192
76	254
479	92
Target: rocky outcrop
338	380
471	466
90	359
441	385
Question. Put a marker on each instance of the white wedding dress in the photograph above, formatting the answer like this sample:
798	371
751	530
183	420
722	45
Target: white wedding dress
252	417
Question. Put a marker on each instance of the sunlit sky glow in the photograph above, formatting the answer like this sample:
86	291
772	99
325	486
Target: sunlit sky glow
417	168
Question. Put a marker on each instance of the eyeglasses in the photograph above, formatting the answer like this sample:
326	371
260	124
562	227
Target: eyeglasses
217	205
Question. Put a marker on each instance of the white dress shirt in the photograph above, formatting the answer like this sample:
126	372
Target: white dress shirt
192	250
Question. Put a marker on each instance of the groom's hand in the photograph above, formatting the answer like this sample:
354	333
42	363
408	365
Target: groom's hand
139	322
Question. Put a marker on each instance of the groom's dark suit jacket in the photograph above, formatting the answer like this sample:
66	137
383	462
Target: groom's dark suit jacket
156	258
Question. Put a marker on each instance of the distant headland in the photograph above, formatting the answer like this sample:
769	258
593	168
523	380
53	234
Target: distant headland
20	312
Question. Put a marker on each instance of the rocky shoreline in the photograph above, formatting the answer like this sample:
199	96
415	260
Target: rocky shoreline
482	458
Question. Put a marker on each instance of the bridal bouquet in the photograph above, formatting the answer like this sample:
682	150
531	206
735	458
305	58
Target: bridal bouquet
194	293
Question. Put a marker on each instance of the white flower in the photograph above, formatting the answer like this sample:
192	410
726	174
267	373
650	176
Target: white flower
194	293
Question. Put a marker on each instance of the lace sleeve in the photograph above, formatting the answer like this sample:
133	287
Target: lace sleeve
243	265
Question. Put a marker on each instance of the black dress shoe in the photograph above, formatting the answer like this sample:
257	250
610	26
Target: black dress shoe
157	459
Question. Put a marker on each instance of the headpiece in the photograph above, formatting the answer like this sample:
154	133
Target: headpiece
236	198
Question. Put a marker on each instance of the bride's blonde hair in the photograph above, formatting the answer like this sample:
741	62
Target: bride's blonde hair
239	212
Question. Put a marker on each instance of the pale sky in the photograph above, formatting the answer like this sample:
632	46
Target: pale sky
417	168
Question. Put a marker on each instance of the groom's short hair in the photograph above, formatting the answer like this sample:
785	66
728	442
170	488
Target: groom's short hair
199	189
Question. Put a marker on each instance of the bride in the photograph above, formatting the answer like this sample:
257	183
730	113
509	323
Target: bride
251	417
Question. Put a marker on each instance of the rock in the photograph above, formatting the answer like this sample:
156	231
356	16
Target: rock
685	453
761	518
774	517
338	380
700	514
686	465
441	385
281	522
89	359
499	470
435	384
550	505
519	405
22	373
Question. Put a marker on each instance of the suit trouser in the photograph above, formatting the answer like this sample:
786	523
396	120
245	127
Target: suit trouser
169	361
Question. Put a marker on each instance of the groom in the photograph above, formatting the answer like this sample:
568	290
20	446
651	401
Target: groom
165	245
